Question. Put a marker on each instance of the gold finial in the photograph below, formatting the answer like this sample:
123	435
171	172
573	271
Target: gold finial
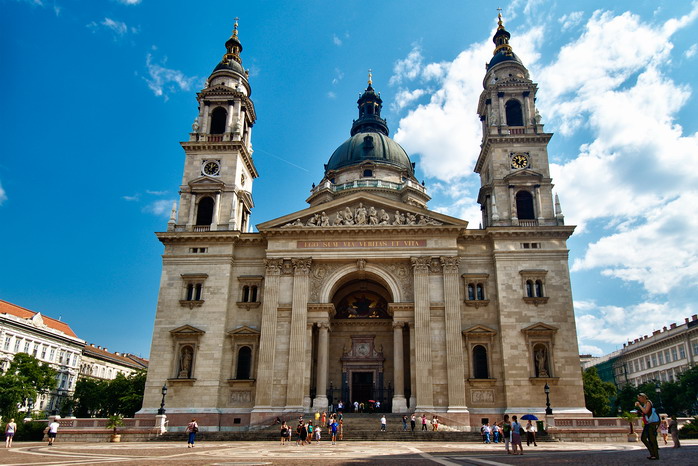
500	25
235	27
370	77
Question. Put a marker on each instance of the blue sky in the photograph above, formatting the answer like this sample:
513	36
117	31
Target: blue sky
98	94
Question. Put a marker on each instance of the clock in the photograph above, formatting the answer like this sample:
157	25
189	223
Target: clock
519	161
362	349
211	168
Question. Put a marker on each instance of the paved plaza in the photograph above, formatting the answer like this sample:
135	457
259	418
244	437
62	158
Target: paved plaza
389	453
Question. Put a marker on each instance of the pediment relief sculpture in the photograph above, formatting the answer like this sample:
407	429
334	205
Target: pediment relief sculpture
362	216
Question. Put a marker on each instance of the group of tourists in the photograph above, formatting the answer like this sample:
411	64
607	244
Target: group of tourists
423	420
11	429
509	433
307	431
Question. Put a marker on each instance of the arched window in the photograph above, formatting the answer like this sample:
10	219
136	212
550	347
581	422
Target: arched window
218	120
197	291
480	370
204	215
253	294
471	291
514	113
524	205
529	288
244	363
480	292
539	289
245	294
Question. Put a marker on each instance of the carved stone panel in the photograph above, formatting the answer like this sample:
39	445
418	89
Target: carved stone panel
481	396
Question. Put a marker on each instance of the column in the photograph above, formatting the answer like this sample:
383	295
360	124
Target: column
422	337
399	402
206	123
539	205
216	212
454	336
267	340
192	208
323	349
513	215
527	117
308	364
299	321
413	368
502	113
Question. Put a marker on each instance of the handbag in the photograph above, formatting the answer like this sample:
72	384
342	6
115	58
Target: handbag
654	417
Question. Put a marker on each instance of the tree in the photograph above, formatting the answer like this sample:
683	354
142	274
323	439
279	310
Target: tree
597	393
25	379
89	397
122	395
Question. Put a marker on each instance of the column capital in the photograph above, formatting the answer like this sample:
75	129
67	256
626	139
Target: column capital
301	266
450	263
321	325
398	324
273	266
421	264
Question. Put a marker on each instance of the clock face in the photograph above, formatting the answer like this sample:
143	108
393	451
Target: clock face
211	168
362	349
519	161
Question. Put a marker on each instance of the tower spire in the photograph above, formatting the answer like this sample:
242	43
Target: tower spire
370	105
370	77
233	46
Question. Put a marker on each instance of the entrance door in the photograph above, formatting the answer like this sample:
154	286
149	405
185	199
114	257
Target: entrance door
361	386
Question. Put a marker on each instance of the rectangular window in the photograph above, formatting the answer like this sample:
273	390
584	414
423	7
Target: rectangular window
43	352
654	360
660	355
51	354
695	348
26	346
18	341
8	339
636	365
648	362
674	356
667	356
682	352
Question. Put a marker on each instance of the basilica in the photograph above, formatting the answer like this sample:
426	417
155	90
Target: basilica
366	295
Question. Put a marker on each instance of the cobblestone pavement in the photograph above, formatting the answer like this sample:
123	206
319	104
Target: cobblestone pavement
388	453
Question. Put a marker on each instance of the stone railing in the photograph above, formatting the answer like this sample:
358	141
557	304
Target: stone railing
95	429
590	429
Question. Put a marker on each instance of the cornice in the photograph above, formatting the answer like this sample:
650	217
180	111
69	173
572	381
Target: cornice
508	139
562	231
354	230
223	146
225	236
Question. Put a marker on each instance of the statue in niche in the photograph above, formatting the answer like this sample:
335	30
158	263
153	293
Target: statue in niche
324	220
399	218
360	214
185	359
372	216
348	216
541	362
384	217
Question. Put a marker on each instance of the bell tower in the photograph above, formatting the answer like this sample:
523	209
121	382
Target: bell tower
516	188
216	189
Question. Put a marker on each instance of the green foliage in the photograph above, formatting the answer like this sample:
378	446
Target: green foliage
32	431
597	393
631	418
115	421
690	429
626	397
123	395
24	379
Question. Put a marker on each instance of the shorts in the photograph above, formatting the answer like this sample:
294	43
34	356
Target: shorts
51	435
9	434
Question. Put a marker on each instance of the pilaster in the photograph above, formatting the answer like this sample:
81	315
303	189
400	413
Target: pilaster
422	326
299	320
454	337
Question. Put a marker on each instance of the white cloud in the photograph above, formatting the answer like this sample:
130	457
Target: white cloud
336	40
691	51
331	95
164	80
161	208
590	349
156	193
134	198
571	20
338	76
3	195
129	2
118	28
405	97
409	67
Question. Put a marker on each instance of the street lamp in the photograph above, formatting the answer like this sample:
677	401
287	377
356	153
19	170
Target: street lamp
548	409
161	411
658	389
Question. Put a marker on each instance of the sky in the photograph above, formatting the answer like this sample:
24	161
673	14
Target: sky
97	95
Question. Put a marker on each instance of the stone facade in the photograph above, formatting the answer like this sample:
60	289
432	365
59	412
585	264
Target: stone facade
366	294
99	363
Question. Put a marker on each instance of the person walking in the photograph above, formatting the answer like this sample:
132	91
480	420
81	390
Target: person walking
404	423
10	430
530	434
650	420
435	423
317	431
673	430
664	429
424	422
192	429
333	429
52	431
310	432
413	421
383	423
486	431
516	436
356	406
506	433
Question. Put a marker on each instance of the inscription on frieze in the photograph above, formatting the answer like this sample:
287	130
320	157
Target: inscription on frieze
362	244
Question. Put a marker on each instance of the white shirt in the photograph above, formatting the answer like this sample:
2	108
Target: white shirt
53	427
383	421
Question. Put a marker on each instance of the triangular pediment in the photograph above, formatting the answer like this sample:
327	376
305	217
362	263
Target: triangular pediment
244	330
479	330
362	210
187	330
540	327
525	174
206	182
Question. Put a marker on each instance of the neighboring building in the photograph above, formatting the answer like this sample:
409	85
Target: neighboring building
366	294
49	340
659	357
99	363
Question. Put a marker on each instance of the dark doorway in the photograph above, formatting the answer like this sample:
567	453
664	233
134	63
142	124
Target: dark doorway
361	386
204	216
524	206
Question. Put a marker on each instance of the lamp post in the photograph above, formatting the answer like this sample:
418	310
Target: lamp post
548	409
162	403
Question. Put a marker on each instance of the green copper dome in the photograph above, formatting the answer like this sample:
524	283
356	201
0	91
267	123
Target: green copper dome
369	146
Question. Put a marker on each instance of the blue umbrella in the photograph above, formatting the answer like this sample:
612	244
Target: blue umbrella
529	417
